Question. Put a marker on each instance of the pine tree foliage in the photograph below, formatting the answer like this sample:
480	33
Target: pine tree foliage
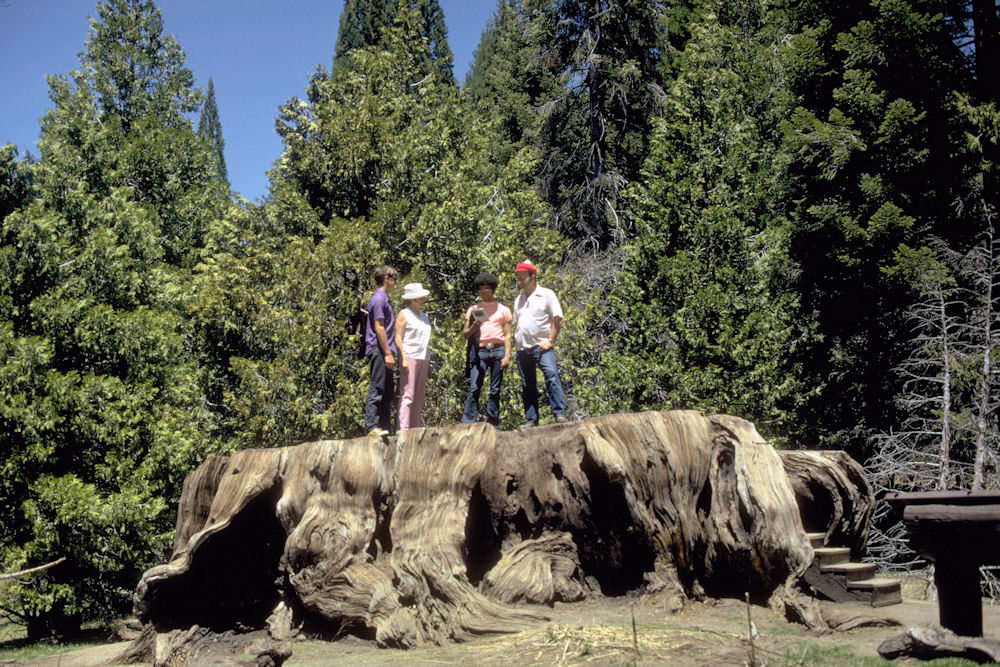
580	78
365	23
136	71
874	166
210	127
509	81
594	135
101	405
707	296
362	23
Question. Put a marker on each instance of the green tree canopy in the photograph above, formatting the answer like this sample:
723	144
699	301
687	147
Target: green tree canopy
100	388
876	163
365	23
708	294
590	71
210	127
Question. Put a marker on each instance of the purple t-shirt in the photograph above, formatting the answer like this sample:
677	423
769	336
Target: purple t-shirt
379	308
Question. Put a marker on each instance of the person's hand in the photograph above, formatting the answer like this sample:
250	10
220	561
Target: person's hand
405	363
545	345
390	361
505	362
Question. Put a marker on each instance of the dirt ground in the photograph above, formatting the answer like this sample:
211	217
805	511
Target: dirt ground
600	632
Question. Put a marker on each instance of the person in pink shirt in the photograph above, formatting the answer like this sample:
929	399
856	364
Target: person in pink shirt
488	330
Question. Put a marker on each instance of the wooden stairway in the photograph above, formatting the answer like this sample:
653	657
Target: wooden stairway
833	575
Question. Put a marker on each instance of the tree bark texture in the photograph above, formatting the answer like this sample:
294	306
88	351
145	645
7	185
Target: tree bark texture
834	496
434	535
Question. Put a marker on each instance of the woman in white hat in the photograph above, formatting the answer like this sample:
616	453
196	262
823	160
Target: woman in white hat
413	335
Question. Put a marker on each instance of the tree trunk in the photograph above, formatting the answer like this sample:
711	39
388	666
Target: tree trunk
984	409
986	33
833	495
944	475
428	537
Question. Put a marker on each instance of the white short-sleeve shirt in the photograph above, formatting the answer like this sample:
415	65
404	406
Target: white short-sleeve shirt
416	334
534	314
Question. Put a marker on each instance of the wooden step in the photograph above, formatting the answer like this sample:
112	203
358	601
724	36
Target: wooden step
816	540
851	571
884	590
832	555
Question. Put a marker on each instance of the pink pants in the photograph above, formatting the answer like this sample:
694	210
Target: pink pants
413	388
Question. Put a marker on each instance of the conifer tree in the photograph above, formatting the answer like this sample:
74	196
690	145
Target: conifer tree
590	70
362	23
210	127
706	292
365	23
507	80
877	162
135	70
100	390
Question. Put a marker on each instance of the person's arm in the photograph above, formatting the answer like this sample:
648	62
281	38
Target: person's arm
383	343
400	330
553	332
506	345
471	327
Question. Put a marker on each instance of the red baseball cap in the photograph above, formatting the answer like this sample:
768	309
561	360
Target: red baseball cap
526	266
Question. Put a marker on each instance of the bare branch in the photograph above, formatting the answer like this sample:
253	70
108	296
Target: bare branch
33	570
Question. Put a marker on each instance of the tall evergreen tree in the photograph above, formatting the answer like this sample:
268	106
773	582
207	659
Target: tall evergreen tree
210	127
508	80
582	79
365	23
135	70
875	165
711	316
100	389
594	134
362	23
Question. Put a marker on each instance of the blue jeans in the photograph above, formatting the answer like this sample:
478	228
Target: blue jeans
527	361
485	360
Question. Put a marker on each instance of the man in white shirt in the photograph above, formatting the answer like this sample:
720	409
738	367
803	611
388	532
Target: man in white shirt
539	318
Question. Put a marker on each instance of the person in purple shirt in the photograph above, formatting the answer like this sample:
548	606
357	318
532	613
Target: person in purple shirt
380	349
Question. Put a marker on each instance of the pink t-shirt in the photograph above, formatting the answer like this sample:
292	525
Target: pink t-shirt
497	314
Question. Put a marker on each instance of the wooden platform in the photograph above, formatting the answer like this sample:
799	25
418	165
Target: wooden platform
958	531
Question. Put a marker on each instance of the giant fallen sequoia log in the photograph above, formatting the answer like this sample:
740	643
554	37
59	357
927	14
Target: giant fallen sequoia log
434	535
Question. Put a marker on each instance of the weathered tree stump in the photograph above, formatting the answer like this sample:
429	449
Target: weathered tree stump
428	537
834	496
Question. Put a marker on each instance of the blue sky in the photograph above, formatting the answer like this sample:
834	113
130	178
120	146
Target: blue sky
259	53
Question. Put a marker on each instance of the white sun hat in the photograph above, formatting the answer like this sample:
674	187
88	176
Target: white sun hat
414	291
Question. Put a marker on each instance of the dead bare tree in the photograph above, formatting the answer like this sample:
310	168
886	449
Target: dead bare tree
949	438
983	331
917	456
